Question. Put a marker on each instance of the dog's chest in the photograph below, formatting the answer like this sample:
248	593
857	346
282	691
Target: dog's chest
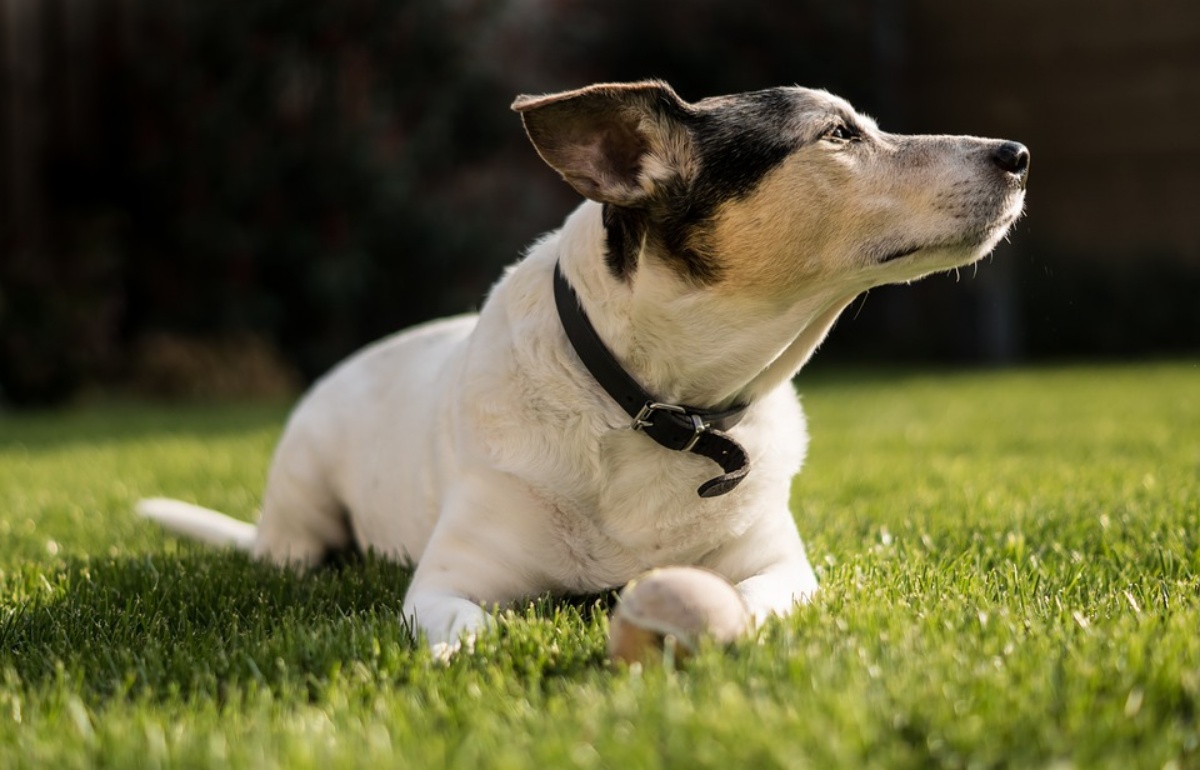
599	552
645	513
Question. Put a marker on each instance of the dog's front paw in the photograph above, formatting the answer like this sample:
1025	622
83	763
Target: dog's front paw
777	593
448	623
444	652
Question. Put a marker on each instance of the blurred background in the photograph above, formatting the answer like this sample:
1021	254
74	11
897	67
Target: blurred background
225	197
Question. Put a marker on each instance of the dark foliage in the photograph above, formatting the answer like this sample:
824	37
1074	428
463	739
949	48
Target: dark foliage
285	170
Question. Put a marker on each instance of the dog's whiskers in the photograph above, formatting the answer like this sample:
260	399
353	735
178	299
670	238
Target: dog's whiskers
862	301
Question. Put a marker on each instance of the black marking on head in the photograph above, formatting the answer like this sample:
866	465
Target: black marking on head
738	140
624	232
667	225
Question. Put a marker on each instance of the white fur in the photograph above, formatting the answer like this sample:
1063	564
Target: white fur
203	524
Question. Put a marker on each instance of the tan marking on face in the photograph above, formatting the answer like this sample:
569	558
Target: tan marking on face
830	213
783	232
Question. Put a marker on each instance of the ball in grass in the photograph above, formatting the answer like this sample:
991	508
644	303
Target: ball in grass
677	607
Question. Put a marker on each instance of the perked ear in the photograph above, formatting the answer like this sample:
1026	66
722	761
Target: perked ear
612	142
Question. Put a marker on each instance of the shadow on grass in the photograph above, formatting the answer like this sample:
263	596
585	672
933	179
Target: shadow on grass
203	624
196	623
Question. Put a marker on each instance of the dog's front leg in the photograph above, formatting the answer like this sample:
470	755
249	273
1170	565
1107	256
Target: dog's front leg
768	566
446	620
453	584
484	553
776	591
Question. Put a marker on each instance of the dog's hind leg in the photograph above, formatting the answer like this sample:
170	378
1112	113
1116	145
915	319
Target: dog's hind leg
302	518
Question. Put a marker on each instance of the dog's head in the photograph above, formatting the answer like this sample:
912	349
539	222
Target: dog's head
774	192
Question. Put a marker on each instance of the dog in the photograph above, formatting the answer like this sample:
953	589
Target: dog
623	399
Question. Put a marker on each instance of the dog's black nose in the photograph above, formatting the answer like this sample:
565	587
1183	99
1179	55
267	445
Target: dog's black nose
1012	157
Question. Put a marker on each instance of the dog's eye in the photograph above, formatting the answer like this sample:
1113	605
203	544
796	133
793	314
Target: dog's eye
843	133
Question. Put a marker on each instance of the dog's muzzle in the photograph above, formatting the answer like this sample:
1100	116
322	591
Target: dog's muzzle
674	426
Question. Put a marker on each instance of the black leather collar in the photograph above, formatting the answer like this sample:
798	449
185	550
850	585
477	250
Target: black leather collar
674	426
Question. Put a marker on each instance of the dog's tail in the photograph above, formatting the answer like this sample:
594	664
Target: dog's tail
199	523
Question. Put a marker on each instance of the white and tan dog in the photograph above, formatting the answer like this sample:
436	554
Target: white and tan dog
719	242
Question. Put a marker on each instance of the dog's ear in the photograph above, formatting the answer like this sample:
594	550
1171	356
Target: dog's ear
613	142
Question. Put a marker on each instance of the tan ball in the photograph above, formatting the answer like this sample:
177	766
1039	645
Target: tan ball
676	606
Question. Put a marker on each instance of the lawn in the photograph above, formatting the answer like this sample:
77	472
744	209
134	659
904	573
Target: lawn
1010	565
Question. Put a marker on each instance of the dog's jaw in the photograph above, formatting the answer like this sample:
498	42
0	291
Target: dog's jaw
910	263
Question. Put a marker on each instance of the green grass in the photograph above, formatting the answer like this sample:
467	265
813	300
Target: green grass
1011	578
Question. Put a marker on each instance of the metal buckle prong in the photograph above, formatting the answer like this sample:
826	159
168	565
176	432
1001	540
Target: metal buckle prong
698	426
641	419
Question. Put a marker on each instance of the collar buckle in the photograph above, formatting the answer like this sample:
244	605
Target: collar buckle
643	419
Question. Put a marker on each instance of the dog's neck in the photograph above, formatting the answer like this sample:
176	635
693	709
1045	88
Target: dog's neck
688	345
